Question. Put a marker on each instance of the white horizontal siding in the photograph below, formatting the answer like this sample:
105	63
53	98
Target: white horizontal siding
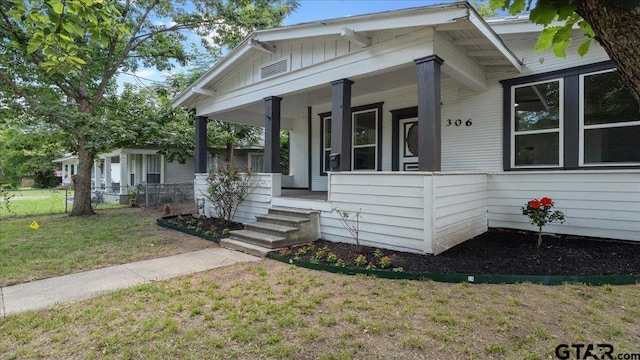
176	173
391	208
600	204
265	186
460	209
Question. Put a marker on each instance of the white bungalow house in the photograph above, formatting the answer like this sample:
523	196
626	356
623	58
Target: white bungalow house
125	168
432	122
69	166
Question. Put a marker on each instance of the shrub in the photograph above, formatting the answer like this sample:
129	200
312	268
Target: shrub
227	189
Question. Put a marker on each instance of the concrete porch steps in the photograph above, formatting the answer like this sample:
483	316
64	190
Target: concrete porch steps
281	227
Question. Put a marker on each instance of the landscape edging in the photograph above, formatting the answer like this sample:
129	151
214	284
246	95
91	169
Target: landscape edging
162	222
468	278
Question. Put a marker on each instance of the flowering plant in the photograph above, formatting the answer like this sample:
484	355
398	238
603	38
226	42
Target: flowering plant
360	260
540	213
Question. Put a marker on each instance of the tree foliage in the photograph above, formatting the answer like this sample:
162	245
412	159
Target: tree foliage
614	24
59	60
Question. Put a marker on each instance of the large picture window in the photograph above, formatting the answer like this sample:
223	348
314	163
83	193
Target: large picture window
365	138
609	119
582	117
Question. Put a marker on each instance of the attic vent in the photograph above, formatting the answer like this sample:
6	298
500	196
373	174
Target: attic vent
275	68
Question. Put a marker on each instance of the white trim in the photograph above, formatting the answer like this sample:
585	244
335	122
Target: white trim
353	143
324	149
582	127
559	130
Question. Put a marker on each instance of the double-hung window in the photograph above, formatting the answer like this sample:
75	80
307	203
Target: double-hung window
365	138
153	169
577	118
537	124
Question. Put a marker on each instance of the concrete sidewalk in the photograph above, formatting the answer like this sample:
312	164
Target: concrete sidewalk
80	286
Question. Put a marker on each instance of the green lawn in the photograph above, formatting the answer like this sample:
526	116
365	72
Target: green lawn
27	201
34	201
65	244
271	310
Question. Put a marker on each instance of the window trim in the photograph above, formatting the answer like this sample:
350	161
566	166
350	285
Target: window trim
559	129
375	144
583	127
357	109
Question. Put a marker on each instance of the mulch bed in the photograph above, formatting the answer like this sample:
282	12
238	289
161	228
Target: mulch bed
500	253
211	227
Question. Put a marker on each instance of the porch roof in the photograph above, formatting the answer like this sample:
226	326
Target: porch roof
457	29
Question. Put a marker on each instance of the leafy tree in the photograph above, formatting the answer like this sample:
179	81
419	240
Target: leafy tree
61	57
221	136
614	24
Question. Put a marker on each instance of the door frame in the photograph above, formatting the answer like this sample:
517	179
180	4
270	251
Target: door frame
396	116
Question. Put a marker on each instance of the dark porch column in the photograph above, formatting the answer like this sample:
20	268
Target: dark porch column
272	134
429	150
341	123
201	144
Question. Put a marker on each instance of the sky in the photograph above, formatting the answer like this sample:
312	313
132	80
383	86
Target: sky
308	11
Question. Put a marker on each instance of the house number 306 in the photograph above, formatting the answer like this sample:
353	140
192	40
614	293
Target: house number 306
458	122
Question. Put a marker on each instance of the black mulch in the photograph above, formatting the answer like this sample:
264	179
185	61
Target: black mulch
206	226
506	253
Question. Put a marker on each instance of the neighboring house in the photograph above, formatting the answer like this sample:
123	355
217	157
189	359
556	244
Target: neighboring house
434	123
69	167
124	168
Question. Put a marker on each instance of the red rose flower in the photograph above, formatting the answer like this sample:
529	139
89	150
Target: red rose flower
534	204
545	201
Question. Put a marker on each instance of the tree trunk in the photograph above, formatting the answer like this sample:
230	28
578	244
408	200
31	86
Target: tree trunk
229	155
82	183
617	30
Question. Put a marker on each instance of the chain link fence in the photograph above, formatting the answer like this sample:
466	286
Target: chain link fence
22	202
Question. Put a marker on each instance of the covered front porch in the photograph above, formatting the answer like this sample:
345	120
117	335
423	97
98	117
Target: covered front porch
422	212
377	108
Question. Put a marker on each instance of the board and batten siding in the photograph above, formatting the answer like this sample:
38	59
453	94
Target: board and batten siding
265	187
300	54
603	203
460	209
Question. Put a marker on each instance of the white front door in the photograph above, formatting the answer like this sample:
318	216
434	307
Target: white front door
408	144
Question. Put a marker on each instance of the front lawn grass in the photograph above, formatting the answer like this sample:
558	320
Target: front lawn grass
271	310
26	201
65	244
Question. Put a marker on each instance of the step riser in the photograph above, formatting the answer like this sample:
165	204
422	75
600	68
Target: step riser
292	222
286	235
292	213
275	244
225	243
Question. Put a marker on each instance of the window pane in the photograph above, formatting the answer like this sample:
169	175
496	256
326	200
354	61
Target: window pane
538	106
364	128
607	100
327	133
364	158
537	149
615	145
326	160
153	178
153	163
